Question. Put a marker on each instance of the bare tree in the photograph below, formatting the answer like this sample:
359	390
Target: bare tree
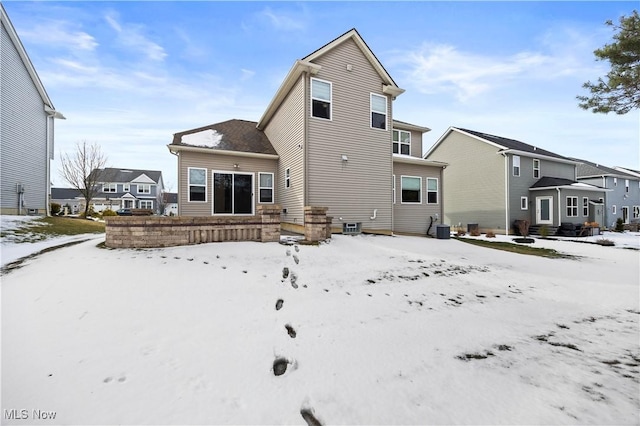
81	170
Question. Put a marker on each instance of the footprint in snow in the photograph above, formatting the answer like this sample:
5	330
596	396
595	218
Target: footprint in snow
288	252
285	272
295	259
291	331
279	304
308	415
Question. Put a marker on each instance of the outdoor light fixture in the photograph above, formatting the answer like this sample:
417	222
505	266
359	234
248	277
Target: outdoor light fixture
345	158
236	165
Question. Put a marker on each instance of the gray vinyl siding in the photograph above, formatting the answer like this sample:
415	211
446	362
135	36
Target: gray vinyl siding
23	134
354	189
519	185
212	162
286	132
415	218
619	198
474	190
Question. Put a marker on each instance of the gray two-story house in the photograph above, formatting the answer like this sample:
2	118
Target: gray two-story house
327	139
128	188
26	129
622	201
493	181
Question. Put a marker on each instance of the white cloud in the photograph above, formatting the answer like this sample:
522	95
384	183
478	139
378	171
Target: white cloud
60	34
285	21
132	36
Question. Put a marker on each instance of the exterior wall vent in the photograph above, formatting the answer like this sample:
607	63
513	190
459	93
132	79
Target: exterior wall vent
352	228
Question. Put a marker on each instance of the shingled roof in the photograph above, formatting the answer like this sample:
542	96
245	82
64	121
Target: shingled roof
507	143
115	175
590	169
231	135
554	182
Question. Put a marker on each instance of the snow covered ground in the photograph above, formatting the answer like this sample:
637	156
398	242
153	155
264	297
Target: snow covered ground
371	330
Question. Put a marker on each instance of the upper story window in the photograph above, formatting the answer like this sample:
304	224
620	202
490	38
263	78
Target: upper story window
321	99
126	187
109	187
401	142
144	188
287	178
536	168
197	184
516	165
615	181
378	111
626	185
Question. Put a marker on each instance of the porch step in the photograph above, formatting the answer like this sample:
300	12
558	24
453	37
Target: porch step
535	230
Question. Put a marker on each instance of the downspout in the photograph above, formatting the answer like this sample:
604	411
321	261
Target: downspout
506	193
47	198
178	176
559	208
305	151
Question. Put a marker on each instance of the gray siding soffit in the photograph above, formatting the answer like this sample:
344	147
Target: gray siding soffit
397	124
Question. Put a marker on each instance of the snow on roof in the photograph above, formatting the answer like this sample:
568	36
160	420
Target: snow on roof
207	138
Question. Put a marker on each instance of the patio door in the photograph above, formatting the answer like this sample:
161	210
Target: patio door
544	210
625	215
232	193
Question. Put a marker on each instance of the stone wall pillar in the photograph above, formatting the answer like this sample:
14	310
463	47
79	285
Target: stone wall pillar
316	223
270	214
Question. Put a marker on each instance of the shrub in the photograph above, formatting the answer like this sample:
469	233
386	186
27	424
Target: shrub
108	212
544	231
55	208
475	232
605	242
619	225
523	227
460	231
490	234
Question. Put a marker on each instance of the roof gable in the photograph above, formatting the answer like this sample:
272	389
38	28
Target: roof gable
114	175
306	64
143	178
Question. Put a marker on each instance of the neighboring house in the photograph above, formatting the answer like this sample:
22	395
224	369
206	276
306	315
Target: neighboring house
170	202
327	139
70	198
26	129
623	199
493	181
128	188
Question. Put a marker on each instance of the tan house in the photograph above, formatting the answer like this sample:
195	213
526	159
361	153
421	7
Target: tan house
327	139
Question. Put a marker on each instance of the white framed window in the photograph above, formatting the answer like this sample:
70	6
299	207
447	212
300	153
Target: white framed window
626	185
197	182
287	177
401	142
572	206
321	98
516	165
615	181
393	187
614	209
265	188
109	187
536	168
378	111
636	212
524	203
410	187
126	187
145	204
144	188
432	191
585	206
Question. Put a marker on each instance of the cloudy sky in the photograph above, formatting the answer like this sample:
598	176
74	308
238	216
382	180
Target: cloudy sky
128	75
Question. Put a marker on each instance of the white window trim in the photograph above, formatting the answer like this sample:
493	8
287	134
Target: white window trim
321	100
536	169
524	203
140	202
636	212
272	188
626	185
206	186
615	181
585	206
614	210
142	186
573	207
287	177
386	112
106	187
437	191
513	166
411	203
126	187
399	141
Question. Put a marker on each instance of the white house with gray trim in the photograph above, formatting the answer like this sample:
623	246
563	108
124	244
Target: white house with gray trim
26	129
493	181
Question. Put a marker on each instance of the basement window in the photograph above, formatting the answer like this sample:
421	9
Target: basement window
352	228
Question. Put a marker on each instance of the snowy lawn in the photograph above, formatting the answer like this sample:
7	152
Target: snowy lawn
371	330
